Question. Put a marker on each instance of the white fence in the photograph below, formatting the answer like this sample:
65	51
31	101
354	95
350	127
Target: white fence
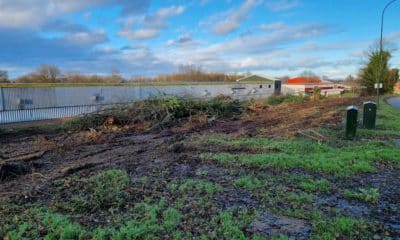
31	104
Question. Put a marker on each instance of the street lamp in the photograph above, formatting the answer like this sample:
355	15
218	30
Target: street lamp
381	51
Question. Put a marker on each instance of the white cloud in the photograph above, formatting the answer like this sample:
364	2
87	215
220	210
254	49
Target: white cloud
34	13
282	5
272	26
234	18
140	34
185	40
271	51
151	25
87	38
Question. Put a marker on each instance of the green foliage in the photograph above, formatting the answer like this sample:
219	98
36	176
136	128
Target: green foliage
388	118
276	100
370	73
228	228
249	182
232	225
102	191
199	187
108	187
310	185
338	228
352	159
370	195
172	218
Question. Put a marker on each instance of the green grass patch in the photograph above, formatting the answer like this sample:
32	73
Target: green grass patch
232	225
103	191
339	228
319	186
370	195
276	100
248	182
388	117
311	156
196	186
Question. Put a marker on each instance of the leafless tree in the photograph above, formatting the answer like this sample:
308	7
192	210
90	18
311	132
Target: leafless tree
308	74
3	76
48	73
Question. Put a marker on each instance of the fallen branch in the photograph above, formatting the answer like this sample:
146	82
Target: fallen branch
27	157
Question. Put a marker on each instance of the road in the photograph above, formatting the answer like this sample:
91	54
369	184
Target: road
394	101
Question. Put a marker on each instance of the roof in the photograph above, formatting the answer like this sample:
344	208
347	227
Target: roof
305	80
257	78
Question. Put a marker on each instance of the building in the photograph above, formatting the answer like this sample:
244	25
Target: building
305	85
397	88
266	83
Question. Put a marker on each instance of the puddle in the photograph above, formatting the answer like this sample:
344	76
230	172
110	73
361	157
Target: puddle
271	225
397	142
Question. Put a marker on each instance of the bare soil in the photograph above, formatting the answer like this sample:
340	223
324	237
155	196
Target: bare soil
29	165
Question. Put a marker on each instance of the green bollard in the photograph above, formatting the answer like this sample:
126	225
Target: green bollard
369	117
351	122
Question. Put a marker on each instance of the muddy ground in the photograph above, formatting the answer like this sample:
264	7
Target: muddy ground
33	165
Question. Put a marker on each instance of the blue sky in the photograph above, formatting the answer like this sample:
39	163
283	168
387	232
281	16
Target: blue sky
146	38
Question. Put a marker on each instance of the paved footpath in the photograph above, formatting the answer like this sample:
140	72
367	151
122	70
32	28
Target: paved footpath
394	101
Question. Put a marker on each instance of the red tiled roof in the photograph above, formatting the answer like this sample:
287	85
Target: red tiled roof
303	80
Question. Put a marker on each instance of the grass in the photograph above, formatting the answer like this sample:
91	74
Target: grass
338	228
319	186
307	155
286	178
248	182
103	191
387	117
194	186
276	100
369	195
230	227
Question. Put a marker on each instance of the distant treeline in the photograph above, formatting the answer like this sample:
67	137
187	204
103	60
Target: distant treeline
187	73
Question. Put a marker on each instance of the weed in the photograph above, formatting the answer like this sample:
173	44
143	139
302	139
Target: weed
199	187
248	182
356	158
310	185
231	225
338	228
370	195
276	100
172	218
108	187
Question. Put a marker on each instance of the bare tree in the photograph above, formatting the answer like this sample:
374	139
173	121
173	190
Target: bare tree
308	74
48	73
3	76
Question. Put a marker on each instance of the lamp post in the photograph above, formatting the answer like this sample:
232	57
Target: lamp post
381	52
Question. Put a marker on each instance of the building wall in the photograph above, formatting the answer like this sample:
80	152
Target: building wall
326	89
28	104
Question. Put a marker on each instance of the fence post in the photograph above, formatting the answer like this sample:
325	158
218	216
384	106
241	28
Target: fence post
2	103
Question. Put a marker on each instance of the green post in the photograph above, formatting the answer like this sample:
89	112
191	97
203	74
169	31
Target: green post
369	117
351	122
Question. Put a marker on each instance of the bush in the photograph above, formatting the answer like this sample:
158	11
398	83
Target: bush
276	100
159	113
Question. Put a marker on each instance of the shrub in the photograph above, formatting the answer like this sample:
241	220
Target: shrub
276	100
159	112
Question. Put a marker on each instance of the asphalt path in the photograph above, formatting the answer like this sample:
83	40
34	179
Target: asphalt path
394	101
